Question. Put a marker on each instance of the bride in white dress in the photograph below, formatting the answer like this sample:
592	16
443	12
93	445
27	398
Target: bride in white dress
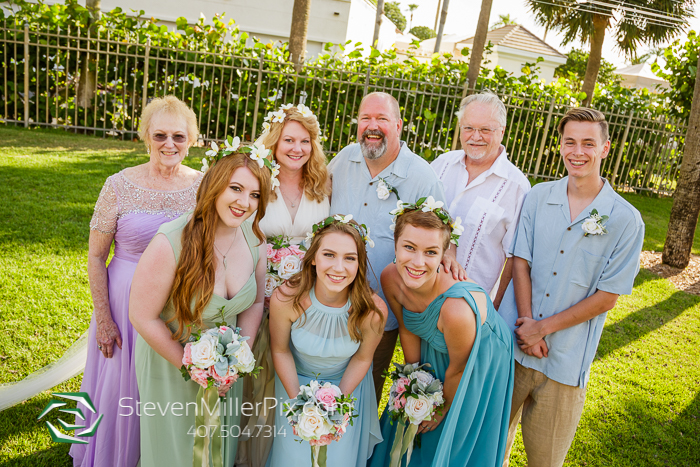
301	200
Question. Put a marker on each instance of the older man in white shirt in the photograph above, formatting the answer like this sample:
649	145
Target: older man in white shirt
486	190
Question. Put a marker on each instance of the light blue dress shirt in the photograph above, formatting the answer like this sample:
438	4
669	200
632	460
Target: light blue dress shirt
355	192
567	267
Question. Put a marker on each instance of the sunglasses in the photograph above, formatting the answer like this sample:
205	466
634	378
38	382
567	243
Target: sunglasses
161	137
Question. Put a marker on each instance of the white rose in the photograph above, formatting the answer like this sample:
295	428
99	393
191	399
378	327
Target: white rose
271	283
422	376
312	423
590	226
289	266
437	398
418	409
204	352
382	191
246	360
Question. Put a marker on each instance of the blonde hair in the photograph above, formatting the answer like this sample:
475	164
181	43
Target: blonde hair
314	173
584	114
174	107
193	286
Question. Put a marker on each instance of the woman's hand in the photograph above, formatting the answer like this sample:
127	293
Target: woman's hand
430	425
107	335
223	389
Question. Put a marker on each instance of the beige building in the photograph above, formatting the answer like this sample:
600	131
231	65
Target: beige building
513	47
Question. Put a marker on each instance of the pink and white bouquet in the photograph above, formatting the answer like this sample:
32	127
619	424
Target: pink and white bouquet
217	357
283	261
415	396
319	414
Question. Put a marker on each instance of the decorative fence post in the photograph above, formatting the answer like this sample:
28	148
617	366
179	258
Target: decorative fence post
540	152
257	96
621	148
26	75
144	101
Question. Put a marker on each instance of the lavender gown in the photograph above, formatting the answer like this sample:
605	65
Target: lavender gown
133	214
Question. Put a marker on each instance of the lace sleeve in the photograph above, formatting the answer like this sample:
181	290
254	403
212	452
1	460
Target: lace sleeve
104	219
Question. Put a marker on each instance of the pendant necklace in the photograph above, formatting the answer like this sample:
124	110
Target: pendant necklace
297	199
229	248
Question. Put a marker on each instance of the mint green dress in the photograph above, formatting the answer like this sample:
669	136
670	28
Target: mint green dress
168	429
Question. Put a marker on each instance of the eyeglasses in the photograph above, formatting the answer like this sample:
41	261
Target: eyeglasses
483	131
161	137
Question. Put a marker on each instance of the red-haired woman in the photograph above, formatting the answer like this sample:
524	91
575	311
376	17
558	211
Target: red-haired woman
202	265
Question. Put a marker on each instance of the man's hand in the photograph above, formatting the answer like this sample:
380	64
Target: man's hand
449	262
538	350
528	332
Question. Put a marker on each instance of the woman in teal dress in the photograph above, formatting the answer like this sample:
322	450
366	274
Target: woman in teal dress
454	327
207	266
325	324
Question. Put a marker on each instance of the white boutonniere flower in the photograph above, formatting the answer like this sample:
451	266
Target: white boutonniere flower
594	224
384	189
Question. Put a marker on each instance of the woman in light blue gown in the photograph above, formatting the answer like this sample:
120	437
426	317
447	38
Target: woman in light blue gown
325	324
453	326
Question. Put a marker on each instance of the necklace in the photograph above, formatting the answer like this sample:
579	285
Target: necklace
296	200
229	248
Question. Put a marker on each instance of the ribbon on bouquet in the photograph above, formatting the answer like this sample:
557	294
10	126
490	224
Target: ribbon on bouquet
212	433
318	456
403	443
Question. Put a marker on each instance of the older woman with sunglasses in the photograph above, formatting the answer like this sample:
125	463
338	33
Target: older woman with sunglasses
132	205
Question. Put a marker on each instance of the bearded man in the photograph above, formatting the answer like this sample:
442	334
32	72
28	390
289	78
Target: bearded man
369	177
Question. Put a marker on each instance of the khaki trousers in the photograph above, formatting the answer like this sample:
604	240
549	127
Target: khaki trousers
550	414
382	359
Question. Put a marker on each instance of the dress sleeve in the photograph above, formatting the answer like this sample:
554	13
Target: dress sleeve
104	219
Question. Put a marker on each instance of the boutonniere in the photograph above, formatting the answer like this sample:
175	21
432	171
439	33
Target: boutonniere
593	225
384	190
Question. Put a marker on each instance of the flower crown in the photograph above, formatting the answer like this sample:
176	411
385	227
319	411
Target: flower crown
258	153
428	204
278	115
339	218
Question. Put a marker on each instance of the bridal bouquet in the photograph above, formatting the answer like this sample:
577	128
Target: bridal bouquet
415	395
319	414
217	357
283	261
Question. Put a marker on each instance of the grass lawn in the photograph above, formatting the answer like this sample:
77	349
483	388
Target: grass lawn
643	399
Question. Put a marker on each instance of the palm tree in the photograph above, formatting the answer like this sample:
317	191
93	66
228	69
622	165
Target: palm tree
686	199
639	22
298	32
441	29
477	51
503	20
87	86
411	8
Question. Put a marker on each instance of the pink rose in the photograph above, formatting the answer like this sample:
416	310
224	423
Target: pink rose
399	402
326	396
270	251
323	440
294	430
282	253
187	356
200	376
296	251
401	385
223	329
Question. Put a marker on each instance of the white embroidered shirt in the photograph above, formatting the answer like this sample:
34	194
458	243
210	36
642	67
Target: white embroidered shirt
489	207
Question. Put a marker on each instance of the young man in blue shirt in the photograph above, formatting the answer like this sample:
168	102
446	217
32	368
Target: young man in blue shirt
576	251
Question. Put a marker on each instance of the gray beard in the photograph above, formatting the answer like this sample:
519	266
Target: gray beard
373	153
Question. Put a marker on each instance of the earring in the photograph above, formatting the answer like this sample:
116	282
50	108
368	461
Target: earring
394	260
438	270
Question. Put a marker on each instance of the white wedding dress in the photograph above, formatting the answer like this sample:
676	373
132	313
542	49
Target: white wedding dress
278	221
